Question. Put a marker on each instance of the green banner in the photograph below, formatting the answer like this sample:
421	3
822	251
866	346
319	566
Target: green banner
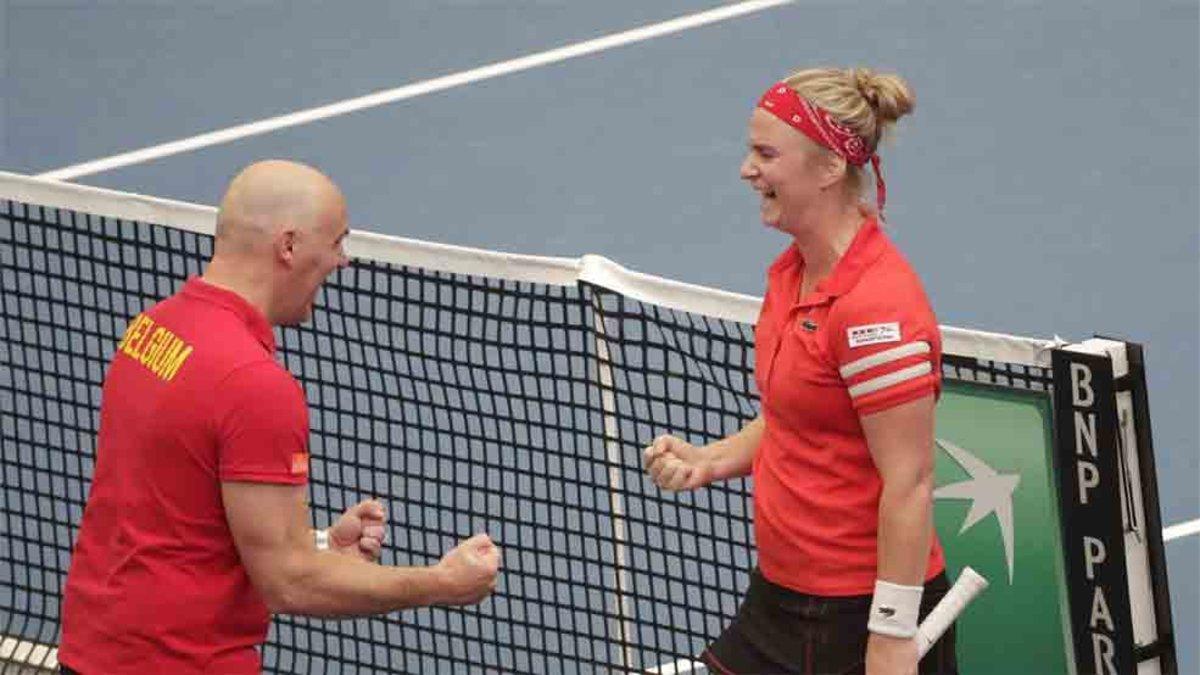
995	510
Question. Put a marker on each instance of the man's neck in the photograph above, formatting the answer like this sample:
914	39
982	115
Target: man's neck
243	279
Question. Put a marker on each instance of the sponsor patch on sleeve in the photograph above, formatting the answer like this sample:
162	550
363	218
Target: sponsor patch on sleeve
299	463
873	334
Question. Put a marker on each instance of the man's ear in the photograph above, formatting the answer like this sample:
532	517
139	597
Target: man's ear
285	246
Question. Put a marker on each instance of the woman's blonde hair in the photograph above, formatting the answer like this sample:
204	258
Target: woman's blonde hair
866	102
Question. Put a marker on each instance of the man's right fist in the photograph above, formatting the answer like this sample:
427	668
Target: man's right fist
469	570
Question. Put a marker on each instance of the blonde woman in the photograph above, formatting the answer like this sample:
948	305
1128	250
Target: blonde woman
848	363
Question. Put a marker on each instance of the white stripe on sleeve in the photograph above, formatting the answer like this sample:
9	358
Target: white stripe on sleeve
884	381
885	356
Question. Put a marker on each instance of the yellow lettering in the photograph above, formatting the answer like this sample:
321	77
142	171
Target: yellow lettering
171	345
121	344
143	338
175	361
131	333
154	346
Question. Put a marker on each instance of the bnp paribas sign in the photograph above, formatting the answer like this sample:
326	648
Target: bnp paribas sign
1051	495
996	510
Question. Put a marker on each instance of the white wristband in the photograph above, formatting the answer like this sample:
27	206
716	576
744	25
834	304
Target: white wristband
895	609
322	540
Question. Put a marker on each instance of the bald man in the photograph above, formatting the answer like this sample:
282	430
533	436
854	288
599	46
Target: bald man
197	525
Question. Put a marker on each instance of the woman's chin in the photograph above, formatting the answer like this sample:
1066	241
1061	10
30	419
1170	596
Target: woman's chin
770	214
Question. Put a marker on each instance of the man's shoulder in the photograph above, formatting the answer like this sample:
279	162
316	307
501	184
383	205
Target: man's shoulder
221	340
263	375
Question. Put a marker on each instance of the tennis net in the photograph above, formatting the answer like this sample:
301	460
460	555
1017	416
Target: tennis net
471	390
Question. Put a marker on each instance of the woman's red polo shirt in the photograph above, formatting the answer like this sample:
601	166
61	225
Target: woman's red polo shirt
865	340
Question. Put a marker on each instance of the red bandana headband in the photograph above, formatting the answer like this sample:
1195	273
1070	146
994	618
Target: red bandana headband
783	102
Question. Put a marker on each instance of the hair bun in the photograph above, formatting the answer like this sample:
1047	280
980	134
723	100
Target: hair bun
888	95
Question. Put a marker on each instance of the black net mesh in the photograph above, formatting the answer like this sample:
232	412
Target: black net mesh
467	404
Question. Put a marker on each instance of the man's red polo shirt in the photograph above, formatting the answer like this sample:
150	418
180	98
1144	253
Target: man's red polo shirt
865	340
193	397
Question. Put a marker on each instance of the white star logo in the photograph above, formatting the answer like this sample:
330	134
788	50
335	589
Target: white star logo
989	492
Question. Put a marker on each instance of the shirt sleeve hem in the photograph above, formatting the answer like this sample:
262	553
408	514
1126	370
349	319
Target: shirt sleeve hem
263	477
897	395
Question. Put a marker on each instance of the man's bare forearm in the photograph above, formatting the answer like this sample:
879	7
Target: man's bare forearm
328	584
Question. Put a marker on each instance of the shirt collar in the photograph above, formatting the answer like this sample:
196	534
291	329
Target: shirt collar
866	247
199	289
